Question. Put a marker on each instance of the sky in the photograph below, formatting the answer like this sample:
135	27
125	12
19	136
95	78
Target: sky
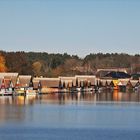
77	27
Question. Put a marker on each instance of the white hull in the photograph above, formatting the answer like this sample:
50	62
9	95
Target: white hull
84	89
31	93
6	93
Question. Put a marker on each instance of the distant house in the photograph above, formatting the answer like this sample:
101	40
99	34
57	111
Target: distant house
135	76
117	75
102	72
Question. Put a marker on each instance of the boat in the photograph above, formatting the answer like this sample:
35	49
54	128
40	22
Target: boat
19	92
6	93
30	92
85	89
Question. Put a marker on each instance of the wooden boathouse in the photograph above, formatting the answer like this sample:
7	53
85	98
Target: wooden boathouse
47	85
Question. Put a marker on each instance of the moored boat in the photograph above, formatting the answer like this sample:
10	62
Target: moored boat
5	93
31	92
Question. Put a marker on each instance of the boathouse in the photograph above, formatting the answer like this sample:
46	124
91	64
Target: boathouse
105	84
12	77
85	80
135	84
36	83
7	82
47	85
68	82
122	84
23	84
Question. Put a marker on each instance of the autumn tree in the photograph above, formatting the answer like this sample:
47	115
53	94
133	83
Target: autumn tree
37	68
69	68
18	62
3	68
53	65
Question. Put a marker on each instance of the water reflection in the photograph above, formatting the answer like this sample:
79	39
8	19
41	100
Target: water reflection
66	108
17	100
90	97
62	98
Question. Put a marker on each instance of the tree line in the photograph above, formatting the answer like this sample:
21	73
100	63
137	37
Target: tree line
53	65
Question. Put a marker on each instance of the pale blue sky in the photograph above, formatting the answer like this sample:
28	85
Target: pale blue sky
74	26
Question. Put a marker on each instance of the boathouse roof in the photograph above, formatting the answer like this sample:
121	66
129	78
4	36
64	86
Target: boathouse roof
117	75
49	82
68	81
12	77
9	74
134	82
24	80
86	78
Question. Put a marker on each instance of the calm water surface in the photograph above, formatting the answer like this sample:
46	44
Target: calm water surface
81	116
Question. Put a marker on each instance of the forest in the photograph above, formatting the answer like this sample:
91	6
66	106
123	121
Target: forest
54	65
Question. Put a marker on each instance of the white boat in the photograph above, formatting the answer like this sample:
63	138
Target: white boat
6	93
31	92
19	92
84	89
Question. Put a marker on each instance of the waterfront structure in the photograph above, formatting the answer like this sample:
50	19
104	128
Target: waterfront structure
135	84
36	83
7	83
23	84
105	84
85	82
68	84
135	76
28	85
103	72
48	84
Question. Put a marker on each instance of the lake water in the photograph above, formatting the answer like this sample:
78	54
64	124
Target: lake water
81	116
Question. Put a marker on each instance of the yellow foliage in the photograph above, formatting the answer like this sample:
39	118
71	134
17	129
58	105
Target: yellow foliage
58	71
37	68
3	68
